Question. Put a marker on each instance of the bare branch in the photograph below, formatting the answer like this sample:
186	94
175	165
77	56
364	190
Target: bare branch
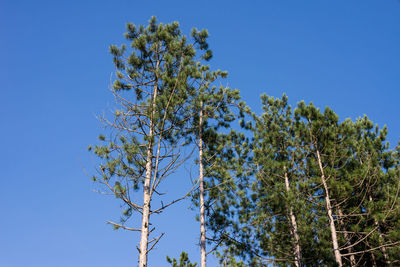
122	226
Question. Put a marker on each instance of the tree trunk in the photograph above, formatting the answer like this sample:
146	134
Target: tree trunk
347	238
297	250
144	237
338	256
146	210
201	184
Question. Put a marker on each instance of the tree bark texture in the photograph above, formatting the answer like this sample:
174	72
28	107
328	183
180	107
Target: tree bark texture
201	184
297	250
338	256
146	188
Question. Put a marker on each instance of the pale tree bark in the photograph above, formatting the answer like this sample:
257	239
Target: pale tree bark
144	237
146	210
347	238
294	230
338	256
201	185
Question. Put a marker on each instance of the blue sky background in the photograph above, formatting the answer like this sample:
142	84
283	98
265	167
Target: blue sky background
54	76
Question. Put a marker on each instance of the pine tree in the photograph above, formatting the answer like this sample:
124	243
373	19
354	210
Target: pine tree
214	108
377	165
280	214
158	76
320	135
351	160
319	192
274	192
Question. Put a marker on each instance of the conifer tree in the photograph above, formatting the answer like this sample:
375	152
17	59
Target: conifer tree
320	134
376	165
280	214
334	183
225	172
351	160
224	182
275	189
213	107
158	75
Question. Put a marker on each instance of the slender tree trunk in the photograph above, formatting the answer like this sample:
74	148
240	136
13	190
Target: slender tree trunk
294	231
144	237
338	256
347	238
201	182
146	210
381	239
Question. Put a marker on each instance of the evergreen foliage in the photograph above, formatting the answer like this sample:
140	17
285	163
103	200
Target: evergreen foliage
183	261
158	76
301	160
290	187
214	111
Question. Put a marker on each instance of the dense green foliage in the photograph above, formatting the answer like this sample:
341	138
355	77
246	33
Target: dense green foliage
291	187
362	182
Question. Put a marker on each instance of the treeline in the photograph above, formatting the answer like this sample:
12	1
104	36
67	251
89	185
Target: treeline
288	187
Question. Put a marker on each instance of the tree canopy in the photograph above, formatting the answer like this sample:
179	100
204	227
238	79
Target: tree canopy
291	187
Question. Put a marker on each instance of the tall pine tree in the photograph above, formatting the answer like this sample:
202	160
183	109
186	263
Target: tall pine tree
214	109
158	75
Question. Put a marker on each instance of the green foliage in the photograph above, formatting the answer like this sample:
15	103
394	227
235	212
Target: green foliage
227	259
362	178
183	261
159	79
257	179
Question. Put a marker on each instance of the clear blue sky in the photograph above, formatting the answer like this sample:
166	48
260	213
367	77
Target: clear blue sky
55	72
